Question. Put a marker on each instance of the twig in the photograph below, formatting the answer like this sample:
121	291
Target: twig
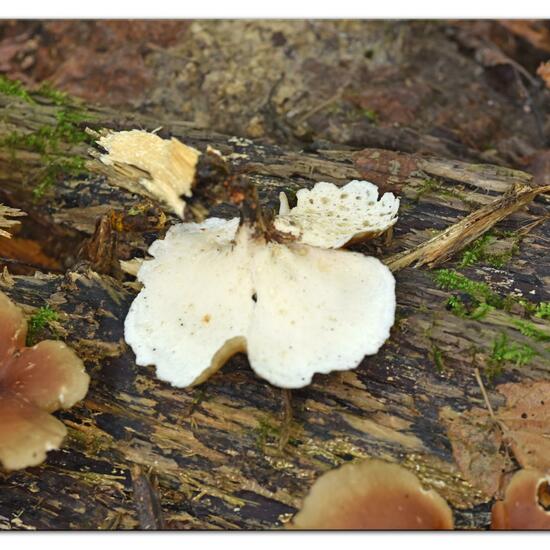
459	235
287	419
499	423
147	500
484	392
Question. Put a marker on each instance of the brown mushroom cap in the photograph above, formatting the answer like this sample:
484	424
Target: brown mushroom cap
33	383
520	508
372	494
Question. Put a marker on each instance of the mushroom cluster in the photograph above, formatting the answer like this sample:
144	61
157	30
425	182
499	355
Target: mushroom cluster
34	382
296	308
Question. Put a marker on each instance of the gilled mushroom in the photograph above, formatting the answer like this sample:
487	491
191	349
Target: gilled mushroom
34	382
170	164
526	503
217	288
328	216
372	494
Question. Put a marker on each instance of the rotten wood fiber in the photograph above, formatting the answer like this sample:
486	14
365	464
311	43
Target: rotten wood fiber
216	449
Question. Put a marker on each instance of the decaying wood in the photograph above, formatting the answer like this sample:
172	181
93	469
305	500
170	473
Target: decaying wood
5	222
216	449
146	498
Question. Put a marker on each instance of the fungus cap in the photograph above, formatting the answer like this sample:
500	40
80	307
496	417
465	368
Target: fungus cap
214	289
328	216
521	508
195	301
372	494
170	163
34	382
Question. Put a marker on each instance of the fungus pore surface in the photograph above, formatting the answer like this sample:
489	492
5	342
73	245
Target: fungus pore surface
328	216
217	288
372	494
170	164
34	382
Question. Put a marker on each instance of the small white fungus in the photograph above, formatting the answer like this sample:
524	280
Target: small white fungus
328	216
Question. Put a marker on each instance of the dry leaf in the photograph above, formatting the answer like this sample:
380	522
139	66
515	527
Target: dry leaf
526	423
476	441
479	441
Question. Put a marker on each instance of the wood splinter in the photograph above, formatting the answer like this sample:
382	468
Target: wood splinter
447	243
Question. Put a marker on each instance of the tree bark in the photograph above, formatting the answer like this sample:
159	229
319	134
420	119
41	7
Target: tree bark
228	454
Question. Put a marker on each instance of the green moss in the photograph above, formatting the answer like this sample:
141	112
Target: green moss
504	352
459	308
542	310
448	279
370	115
269	435
482	299
265	432
39	321
17	89
47	139
456	305
475	252
57	97
50	141
531	331
438	359
14	88
57	169
428	185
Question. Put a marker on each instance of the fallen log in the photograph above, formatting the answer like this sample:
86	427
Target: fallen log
235	452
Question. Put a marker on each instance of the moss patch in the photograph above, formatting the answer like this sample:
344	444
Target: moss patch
448	279
51	141
433	185
38	322
14	88
506	352
480	251
531	331
542	310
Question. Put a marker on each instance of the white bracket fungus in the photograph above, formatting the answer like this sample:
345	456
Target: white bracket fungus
217	288
170	164
328	216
